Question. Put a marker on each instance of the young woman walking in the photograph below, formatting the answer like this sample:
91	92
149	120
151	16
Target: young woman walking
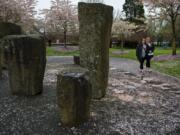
141	53
150	52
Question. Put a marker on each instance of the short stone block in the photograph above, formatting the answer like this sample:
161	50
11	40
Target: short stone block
74	96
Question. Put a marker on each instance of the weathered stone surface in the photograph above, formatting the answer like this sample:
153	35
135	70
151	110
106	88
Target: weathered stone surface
0	61
95	31
7	29
74	96
26	59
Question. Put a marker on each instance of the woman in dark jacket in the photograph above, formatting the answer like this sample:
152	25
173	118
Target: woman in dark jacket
141	53
150	52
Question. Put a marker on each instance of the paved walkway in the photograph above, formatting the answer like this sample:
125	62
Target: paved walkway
121	64
118	63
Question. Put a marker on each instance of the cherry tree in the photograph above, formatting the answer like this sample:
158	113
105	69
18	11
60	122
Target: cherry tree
9	11
27	13
61	18
122	29
21	12
166	9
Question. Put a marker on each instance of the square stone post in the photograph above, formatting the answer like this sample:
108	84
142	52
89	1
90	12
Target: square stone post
95	21
74	96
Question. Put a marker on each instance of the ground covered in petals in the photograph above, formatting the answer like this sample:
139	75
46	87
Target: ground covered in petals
131	106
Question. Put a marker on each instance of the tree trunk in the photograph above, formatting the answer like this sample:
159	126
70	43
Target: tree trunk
174	38
65	37
122	45
174	46
65	33
110	44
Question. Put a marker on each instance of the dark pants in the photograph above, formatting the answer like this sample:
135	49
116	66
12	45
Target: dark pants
142	62
148	61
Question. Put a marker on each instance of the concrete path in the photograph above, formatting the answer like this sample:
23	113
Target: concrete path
122	64
118	63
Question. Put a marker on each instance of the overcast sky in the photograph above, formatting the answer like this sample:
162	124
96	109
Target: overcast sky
117	4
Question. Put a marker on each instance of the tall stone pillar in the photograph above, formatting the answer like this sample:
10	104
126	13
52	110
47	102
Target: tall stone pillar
95	31
26	59
7	29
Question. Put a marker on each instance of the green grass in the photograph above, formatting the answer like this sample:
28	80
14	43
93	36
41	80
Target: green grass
170	67
52	52
161	51
130	55
132	52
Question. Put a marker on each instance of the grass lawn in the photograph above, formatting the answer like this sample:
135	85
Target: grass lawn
132	52
51	52
130	55
170	67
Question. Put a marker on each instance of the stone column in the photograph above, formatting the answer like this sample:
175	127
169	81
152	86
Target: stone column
7	29
74	96
26	59
95	31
